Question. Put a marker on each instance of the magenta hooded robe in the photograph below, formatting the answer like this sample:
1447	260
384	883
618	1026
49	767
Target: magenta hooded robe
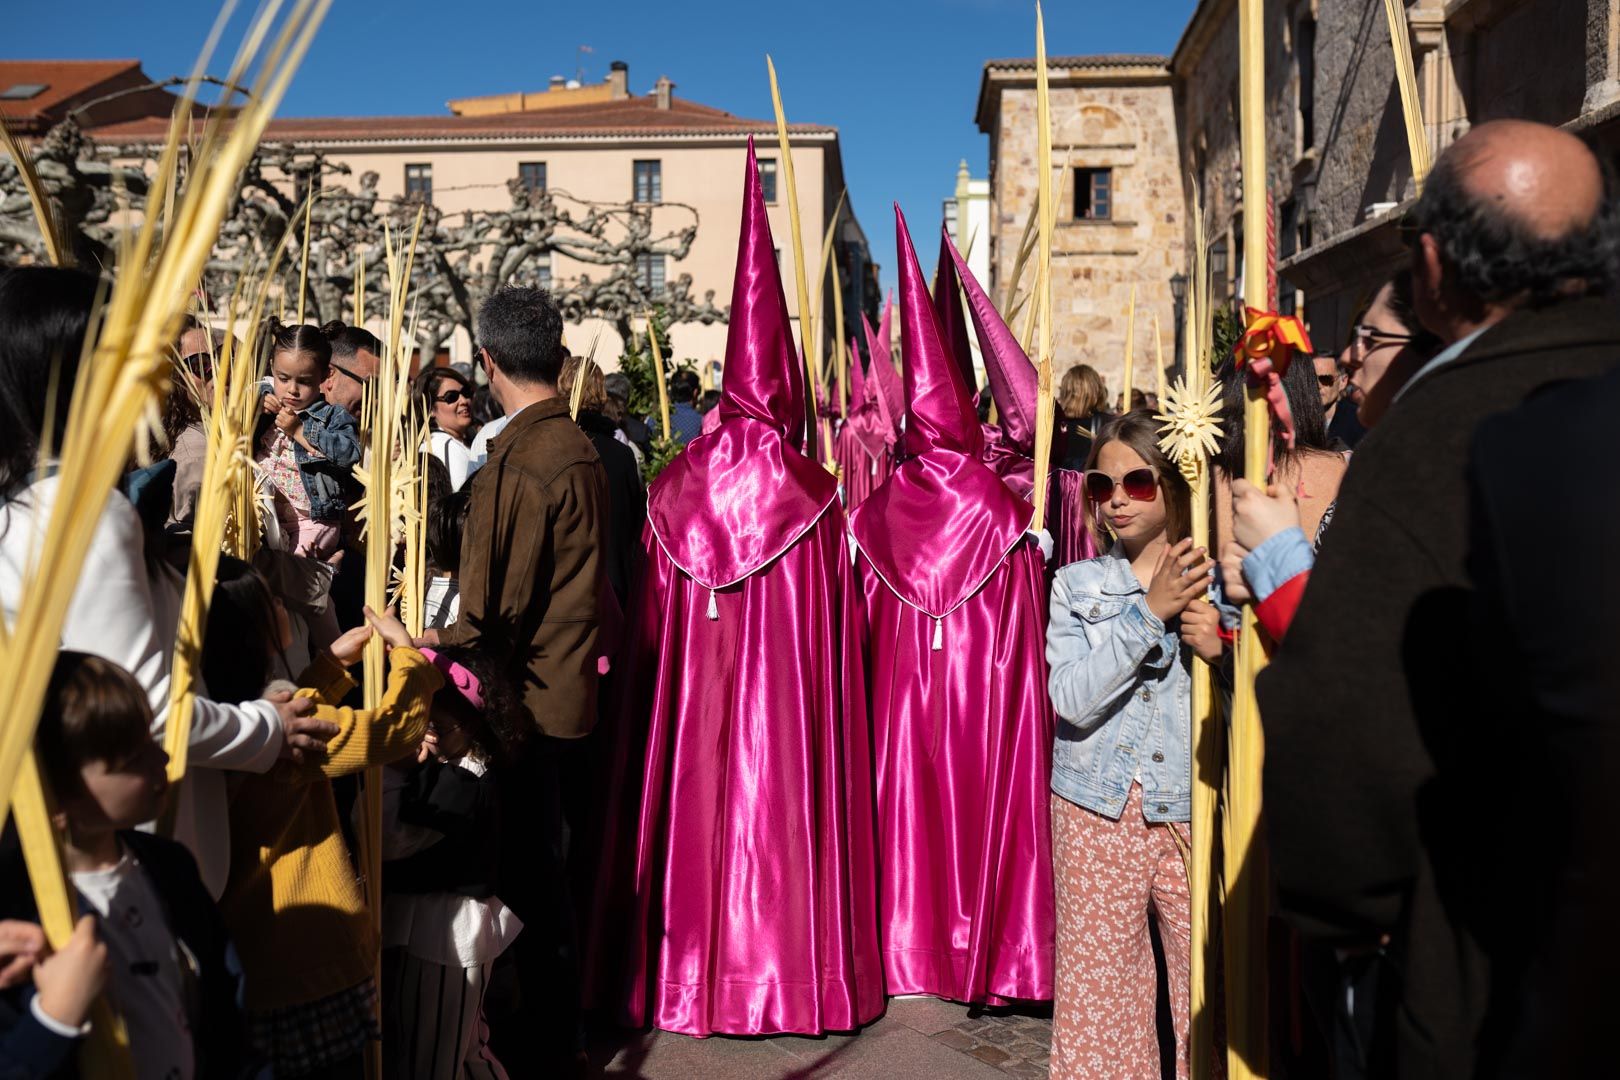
862	447
1009	446
755	876
961	724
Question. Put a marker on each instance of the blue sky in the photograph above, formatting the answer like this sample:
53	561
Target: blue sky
899	78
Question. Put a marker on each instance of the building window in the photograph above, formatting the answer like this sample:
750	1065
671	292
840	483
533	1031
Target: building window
950	219
649	182
767	178
532	175
1093	194
542	268
1305	65
419	182
650	273
1218	270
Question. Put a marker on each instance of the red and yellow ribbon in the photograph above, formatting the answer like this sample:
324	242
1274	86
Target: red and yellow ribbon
1264	352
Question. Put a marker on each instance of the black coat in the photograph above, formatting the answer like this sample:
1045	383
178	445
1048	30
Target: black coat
1369	733
627	501
1546	640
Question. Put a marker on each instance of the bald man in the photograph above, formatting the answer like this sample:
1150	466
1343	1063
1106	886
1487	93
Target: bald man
1389	779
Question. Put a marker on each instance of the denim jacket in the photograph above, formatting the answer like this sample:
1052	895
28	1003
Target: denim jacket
331	430
1121	682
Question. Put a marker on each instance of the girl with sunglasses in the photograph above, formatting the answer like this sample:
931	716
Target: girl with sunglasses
1119	644
447	396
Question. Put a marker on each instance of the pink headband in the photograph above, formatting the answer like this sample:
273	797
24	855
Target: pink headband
465	682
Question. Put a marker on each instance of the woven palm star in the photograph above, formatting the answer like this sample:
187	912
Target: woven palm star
1191	427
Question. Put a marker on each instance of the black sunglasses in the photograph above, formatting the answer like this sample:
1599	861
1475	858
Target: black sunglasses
341	370
450	397
199	364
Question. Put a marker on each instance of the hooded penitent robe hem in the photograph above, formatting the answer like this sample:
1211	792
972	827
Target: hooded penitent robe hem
755	876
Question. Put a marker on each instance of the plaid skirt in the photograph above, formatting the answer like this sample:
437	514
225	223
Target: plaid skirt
303	1038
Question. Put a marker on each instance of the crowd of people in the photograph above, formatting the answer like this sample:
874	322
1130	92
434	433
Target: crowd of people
751	750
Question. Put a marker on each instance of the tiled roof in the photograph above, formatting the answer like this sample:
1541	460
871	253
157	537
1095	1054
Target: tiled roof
1101	60
63	81
629	117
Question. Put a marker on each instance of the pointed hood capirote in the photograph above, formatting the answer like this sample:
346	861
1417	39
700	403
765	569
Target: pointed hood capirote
939	408
1014	385
892	396
763	378
943	523
736	498
948	305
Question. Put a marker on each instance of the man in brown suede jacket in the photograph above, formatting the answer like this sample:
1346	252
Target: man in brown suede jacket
531	579
531	570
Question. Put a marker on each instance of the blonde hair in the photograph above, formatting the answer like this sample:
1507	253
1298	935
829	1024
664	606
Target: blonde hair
1140	432
1081	393
595	397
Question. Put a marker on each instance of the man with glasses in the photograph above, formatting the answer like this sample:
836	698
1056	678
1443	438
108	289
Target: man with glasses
355	355
1400	805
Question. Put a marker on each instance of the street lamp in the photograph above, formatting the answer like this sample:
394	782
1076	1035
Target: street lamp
1178	293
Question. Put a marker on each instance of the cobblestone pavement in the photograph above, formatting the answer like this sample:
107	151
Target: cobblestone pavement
916	1039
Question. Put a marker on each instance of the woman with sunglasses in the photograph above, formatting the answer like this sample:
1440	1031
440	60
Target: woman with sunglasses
447	395
1122	629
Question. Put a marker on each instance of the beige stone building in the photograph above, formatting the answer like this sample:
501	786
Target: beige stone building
588	145
1120	220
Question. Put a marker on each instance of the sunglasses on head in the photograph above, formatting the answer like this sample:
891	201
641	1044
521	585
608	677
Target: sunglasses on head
450	397
1140	485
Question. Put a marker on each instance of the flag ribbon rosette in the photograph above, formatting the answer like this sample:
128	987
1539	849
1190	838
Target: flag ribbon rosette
1263	354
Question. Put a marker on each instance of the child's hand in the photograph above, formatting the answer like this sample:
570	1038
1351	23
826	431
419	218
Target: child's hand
1201	630
288	421
70	980
1181	577
270	404
390	628
1233	583
21	946
430	746
1258	515
350	645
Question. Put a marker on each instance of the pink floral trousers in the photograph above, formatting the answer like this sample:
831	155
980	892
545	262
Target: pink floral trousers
1110	876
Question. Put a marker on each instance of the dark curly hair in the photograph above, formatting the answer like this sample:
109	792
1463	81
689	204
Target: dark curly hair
502	727
1495	257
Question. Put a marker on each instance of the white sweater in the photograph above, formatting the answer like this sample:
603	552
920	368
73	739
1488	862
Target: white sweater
122	615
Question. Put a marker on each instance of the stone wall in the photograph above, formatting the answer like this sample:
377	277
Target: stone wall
1130	129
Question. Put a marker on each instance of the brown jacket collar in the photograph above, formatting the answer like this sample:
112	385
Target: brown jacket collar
527	417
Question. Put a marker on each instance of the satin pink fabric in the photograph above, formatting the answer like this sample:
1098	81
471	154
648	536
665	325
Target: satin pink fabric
956	633
755	878
735	499
962	743
1065	505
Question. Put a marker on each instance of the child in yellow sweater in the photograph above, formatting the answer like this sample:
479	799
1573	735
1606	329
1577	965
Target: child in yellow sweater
292	900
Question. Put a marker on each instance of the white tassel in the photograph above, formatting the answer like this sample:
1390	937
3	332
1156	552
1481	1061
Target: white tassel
939	635
714	608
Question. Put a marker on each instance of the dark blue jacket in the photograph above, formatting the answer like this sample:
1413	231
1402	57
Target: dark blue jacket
331	430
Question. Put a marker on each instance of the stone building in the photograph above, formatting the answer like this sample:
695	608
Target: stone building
600	144
1120	219
1338	166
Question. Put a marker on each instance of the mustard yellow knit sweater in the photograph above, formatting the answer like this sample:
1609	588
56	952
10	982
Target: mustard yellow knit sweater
293	901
